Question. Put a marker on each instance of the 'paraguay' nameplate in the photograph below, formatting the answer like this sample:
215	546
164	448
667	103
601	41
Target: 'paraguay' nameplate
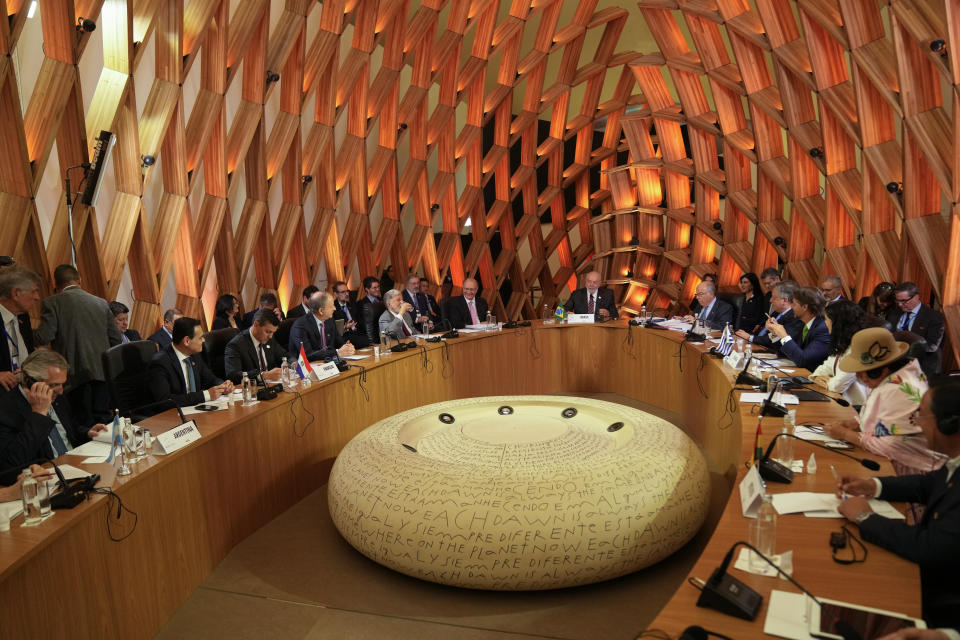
326	370
176	438
580	318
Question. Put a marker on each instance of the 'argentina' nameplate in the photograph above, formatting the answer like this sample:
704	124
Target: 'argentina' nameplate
176	438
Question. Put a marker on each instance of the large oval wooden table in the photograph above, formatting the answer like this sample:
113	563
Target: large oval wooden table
66	578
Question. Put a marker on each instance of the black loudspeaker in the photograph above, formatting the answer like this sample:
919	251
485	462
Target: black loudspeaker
724	593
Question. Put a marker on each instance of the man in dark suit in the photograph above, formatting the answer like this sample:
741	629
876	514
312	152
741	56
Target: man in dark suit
370	308
920	319
432	307
592	299
254	350
268	301
164	335
317	332
814	345
695	305
121	315
714	312
301	309
467	308
781	302
768	278
19	292
177	373
35	421
832	289
933	541
417	301
79	326
347	312
397	321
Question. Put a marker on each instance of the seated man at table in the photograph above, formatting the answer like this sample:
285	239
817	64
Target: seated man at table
301	309
178	374
348	313
369	308
781	301
164	335
36	423
317	332
268	301
713	312
813	346
397	321
932	542
590	298
254	350
467	308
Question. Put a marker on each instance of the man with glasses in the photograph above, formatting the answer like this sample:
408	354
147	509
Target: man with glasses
714	312
782	302
468	308
921	320
35	420
832	289
768	278
343	310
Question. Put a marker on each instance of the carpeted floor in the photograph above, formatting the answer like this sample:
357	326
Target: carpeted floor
297	578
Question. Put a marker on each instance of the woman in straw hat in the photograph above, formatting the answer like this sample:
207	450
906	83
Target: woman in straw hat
887	423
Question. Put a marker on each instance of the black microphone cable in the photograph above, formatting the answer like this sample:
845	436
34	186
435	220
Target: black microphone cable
446	364
362	380
114	501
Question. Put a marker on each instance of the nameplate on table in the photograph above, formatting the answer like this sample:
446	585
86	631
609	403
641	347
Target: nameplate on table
751	492
734	360
176	438
325	370
580	318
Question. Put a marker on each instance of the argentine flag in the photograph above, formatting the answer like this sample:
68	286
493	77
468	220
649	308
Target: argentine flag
116	437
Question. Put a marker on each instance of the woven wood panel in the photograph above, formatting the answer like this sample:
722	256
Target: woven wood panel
300	141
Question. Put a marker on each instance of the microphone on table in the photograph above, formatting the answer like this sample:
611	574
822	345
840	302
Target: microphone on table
747	378
839	401
401	346
774	471
269	391
726	594
695	632
771	408
72	494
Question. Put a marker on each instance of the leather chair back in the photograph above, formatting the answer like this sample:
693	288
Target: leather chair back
125	367
735	300
214	346
282	334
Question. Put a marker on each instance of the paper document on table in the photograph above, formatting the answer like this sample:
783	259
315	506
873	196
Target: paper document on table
824	505
357	357
468	330
787	616
816	434
10	510
676	325
72	473
481	327
758	398
220	404
96	452
783	560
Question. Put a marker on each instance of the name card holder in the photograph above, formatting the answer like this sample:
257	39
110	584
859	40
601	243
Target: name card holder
325	370
751	492
734	360
580	318
176	438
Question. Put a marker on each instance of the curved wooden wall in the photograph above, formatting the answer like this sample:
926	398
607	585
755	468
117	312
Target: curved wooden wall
759	132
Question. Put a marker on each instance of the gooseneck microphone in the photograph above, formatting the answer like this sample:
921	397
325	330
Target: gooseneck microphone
726	594
774	471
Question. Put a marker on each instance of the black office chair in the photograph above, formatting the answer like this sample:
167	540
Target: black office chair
282	335
214	345
125	367
736	301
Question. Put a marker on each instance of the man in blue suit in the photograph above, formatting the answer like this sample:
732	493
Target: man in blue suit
811	350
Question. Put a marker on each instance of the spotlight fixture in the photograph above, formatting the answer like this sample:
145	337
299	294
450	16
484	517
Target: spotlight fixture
780	242
939	46
634	242
434	206
307	179
816	152
272	76
86	24
718	225
402	126
147	161
629	273
895	187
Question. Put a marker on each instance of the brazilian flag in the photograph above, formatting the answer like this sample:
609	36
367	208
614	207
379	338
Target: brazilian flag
560	314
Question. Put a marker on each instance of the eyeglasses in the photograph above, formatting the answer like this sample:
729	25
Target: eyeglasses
905	300
701	293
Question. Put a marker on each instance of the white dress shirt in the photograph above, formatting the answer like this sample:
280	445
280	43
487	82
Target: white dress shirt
185	364
18	351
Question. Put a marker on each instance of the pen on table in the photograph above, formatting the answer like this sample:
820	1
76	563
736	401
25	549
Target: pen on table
836	476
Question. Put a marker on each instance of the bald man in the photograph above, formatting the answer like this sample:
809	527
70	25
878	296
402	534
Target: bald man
468	308
592	299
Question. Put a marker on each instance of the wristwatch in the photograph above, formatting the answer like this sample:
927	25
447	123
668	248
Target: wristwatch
863	515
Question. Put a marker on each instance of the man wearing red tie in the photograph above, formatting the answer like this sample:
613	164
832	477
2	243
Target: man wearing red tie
468	308
397	321
592	299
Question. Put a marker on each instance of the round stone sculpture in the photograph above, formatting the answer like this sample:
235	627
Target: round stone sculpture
519	492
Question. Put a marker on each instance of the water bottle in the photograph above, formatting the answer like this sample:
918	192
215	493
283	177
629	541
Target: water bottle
785	442
31	498
546	315
643	314
489	318
285	372
748	350
763	534
245	386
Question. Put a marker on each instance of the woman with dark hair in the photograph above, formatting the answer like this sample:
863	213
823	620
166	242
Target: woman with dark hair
225	313
751	313
880	303
887	424
843	319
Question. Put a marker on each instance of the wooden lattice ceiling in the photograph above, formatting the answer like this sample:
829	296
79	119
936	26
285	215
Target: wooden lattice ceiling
760	132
